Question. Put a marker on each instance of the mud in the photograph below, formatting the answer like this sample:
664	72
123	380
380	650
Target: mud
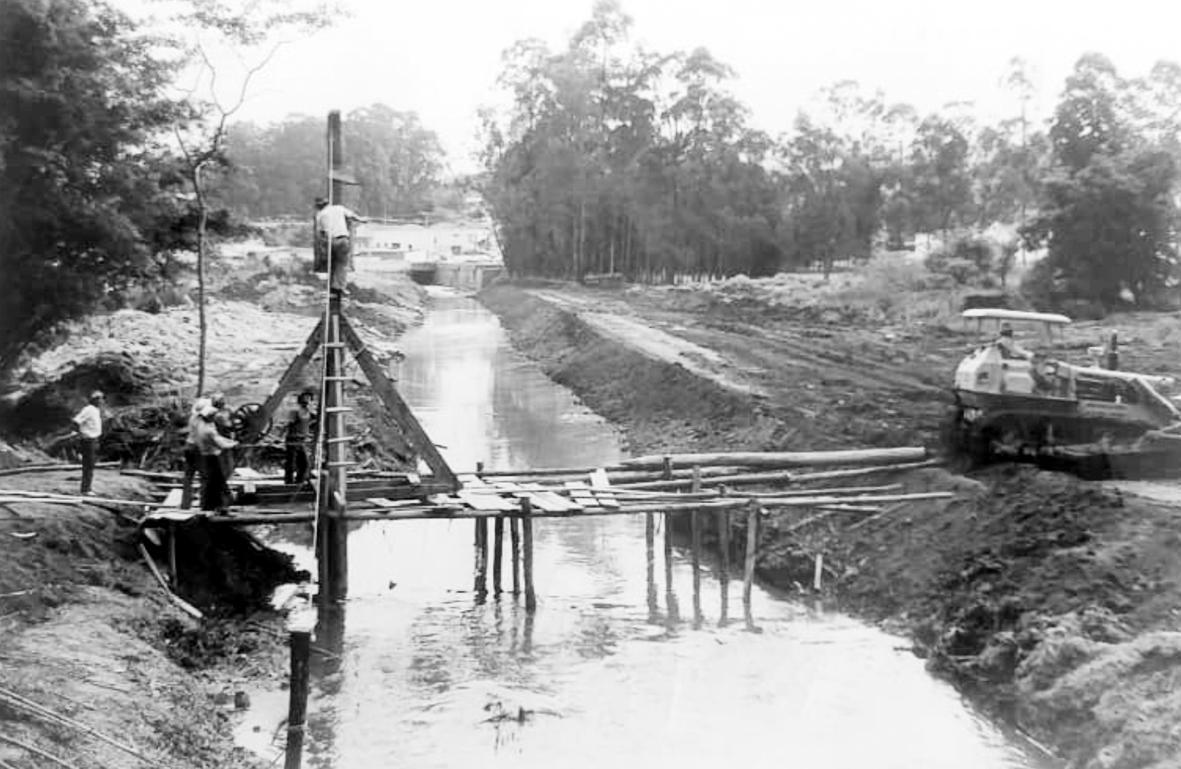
1052	602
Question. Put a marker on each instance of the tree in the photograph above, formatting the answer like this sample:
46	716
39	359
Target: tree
82	99
1108	216
942	188
259	29
397	159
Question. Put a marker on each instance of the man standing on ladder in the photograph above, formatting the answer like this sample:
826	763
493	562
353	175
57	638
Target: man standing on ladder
334	225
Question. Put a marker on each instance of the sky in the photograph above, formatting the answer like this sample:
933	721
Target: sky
440	58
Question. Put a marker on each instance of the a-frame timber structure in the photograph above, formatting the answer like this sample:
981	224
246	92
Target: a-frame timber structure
331	337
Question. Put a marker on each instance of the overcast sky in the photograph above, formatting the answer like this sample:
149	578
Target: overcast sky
440	57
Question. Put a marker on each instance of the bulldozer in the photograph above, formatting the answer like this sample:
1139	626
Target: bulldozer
1023	402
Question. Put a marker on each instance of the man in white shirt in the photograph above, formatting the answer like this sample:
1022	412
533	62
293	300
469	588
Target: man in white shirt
334	229
89	424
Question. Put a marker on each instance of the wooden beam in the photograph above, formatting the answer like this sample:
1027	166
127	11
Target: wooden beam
784	458
412	431
290	376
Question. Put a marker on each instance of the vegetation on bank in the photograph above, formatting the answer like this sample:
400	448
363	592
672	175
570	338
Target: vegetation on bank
617	159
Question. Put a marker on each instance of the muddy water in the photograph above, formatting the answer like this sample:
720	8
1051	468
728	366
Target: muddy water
597	677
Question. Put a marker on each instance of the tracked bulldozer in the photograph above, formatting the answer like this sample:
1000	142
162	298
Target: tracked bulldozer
1028	404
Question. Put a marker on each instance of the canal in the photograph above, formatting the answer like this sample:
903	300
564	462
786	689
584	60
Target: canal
427	677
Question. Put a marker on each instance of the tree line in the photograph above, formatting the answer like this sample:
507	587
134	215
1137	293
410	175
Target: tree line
612	158
108	169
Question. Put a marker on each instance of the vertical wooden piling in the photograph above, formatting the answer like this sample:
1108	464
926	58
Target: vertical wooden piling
332	528
723	521
172	567
650	551
695	532
514	530
527	544
748	574
497	552
818	573
297	708
670	596
481	548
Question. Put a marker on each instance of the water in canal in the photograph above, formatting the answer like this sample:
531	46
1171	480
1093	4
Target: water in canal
428	678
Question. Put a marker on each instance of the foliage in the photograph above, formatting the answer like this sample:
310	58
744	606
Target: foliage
972	261
1108	216
614	159
82	184
277	170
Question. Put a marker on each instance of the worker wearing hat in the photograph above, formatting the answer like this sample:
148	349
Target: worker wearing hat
89	425
192	453
215	492
334	231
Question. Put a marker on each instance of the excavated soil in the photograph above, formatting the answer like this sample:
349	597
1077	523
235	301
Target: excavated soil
1051	601
85	631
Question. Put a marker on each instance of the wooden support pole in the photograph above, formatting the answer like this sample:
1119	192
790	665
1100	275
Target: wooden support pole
818	573
514	528
723	521
670	596
748	574
527	543
497	553
172	567
297	708
332	526
650	551
481	582
695	534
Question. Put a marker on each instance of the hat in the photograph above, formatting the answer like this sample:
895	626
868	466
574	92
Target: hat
207	412
321	201
200	405
97	395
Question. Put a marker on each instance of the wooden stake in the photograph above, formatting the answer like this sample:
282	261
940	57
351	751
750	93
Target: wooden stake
650	552
514	527
172	557
695	531
723	521
670	596
301	646
497	552
748	575
481	547
527	543
818	572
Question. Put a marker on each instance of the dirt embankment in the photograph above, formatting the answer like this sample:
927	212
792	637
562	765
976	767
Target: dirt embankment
1053	602
85	631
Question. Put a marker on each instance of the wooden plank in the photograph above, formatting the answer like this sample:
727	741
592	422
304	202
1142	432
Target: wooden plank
487	501
581	494
600	481
470	480
548	500
173	499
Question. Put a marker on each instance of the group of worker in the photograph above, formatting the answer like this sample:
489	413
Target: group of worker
210	444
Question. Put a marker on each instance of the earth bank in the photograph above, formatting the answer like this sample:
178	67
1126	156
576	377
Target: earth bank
86	631
1050	601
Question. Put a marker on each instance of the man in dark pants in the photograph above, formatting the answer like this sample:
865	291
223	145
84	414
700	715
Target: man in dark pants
334	231
215	492
192	454
299	434
89	424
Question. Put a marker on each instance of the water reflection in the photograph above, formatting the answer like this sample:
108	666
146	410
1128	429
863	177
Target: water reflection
602	673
